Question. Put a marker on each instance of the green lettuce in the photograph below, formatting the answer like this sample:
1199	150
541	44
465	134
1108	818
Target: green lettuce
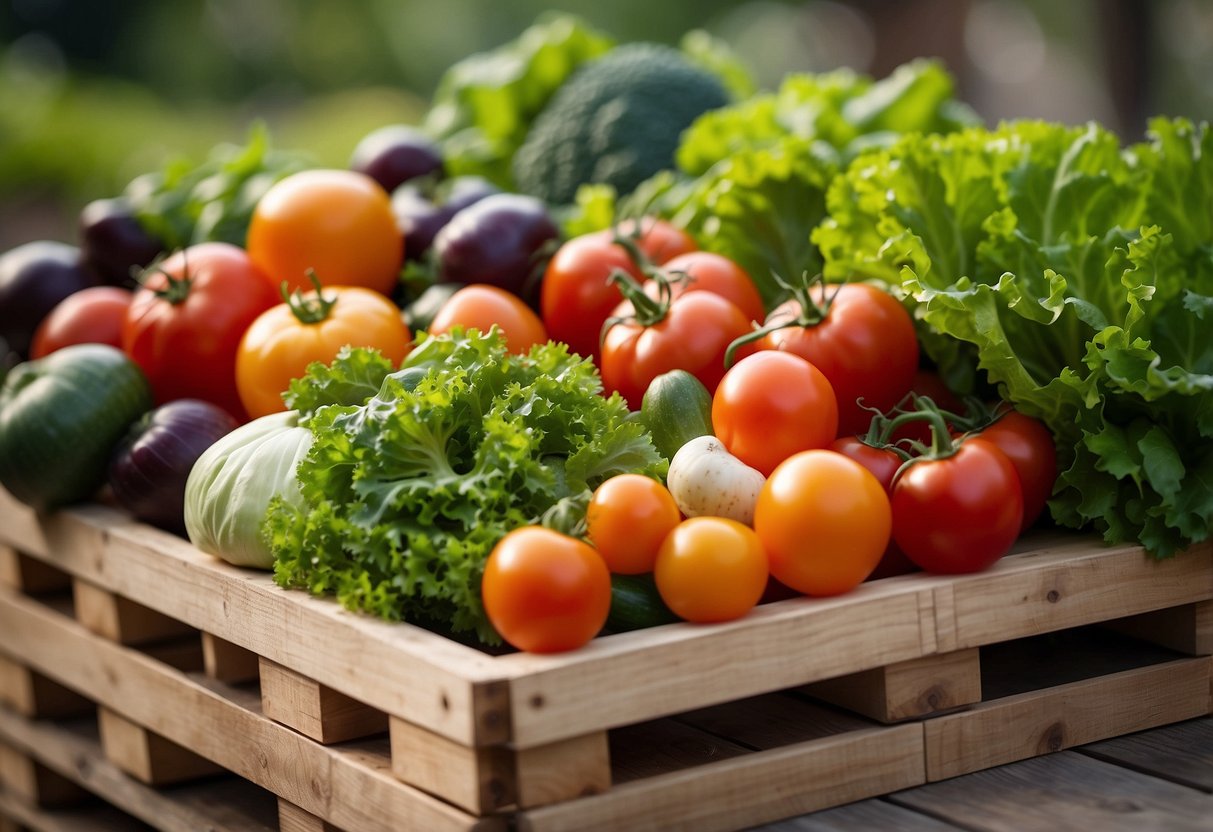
1073	273
405	495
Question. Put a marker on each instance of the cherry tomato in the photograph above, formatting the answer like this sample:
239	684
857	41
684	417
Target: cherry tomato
824	521
711	569
89	316
866	346
960	513
628	518
717	274
286	338
545	592
338	223
693	336
185	324
771	405
481	307
1029	445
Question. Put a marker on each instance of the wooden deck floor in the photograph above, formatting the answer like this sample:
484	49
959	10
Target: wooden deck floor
1156	780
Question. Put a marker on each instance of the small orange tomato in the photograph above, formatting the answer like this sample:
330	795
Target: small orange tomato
337	223
627	520
280	344
480	306
545	592
711	569
824	521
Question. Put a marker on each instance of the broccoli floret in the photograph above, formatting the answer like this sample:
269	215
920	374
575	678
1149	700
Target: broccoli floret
617	120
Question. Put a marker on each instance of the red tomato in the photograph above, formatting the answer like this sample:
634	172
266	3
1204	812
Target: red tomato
1029	445
711	569
960	513
184	325
338	223
481	306
717	274
628	518
693	336
824	521
545	592
660	241
929	384
884	464
577	297
866	346
771	405
89	316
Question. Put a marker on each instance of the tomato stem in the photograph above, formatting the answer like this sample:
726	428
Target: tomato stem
177	289
812	312
309	310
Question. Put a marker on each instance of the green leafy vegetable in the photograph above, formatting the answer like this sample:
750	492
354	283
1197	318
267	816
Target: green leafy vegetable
354	376
1077	275
406	494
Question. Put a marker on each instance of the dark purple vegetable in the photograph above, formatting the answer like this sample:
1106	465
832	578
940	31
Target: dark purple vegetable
34	277
421	215
395	154
113	241
150	466
496	241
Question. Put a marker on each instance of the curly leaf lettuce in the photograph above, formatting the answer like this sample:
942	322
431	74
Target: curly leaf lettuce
405	495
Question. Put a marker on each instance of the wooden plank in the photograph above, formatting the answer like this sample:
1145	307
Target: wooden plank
349	787
149	757
1043	721
293	819
420	676
872	814
228	662
751	788
480	780
778	645
35	783
313	709
1180	753
563	770
1062	791
19	816
1071	585
121	619
1186	629
34	695
907	690
29	575
73	749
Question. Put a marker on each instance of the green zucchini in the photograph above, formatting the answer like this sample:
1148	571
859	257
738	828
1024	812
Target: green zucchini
676	409
636	604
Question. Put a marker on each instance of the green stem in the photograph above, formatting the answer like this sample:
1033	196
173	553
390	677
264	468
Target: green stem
811	314
309	310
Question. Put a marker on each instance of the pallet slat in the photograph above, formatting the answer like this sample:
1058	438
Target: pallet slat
313	709
149	757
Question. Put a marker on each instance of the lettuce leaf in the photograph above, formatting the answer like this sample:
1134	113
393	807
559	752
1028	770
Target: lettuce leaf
406	493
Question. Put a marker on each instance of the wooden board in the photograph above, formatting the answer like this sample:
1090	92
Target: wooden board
907	690
313	709
19	815
149	757
1181	753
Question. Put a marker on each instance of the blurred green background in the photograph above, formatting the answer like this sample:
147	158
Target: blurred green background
95	92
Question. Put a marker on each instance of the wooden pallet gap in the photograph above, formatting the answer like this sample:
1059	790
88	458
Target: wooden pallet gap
29	574
228	662
17	815
32	694
148	757
122	620
773	720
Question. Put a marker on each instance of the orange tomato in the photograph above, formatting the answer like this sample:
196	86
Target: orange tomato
824	521
480	306
284	339
627	520
545	592
711	569
337	223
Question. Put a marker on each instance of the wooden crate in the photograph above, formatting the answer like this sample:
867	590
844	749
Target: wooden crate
683	726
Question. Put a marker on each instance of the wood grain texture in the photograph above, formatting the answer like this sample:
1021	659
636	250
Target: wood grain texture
907	690
1186	629
1062	791
875	815
1181	753
228	662
349	789
480	780
563	770
149	757
313	709
293	819
17	815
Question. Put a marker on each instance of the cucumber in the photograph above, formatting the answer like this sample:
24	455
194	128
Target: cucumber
676	409
636	604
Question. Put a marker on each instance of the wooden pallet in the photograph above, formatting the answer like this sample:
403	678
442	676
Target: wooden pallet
681	726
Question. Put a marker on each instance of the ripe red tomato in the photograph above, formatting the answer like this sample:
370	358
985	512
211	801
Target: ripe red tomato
711	569
660	240
693	336
824	521
960	513
710	272
1029	445
627	520
545	592
185	324
481	306
89	316
866	346
771	405
338	223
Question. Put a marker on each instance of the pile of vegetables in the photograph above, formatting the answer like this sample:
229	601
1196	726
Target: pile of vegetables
588	349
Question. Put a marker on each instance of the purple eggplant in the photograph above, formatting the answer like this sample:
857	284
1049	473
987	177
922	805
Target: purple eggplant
34	277
395	154
420	214
498	241
149	468
113	242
